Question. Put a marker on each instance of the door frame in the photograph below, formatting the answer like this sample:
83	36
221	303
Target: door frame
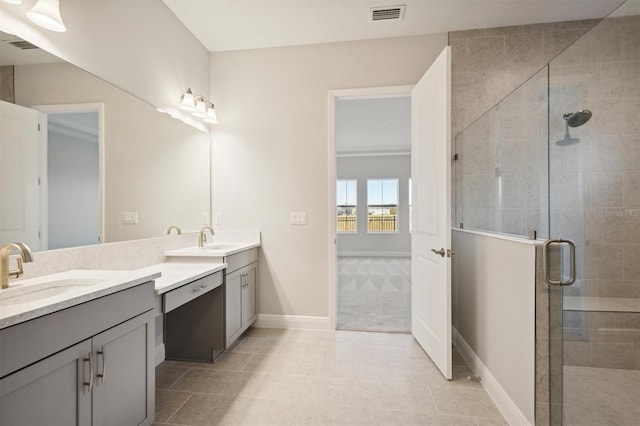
334	95
76	108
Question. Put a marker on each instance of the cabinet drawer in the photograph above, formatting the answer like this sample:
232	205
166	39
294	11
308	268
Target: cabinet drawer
239	260
188	292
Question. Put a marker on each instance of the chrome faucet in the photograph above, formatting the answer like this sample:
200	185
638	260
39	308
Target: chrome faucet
5	272
203	238
173	227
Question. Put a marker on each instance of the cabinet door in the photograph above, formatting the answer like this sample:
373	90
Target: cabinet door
124	375
50	392
249	295
233	307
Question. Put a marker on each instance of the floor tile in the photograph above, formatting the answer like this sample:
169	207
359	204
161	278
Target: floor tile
275	377
462	400
168	402
167	375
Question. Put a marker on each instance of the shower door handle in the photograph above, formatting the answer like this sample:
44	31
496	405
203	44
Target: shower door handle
572	262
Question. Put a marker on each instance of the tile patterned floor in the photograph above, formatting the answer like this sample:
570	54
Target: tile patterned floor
374	294
299	377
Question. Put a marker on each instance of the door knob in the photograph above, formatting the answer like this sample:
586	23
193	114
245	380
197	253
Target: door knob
441	252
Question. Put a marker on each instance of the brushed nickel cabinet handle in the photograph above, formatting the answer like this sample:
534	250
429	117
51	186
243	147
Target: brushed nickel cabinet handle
103	375
90	382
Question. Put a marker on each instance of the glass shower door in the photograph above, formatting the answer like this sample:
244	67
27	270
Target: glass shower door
594	200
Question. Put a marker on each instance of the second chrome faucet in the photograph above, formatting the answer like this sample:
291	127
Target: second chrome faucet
202	238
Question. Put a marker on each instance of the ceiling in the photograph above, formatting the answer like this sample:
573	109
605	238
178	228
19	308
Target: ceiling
250	24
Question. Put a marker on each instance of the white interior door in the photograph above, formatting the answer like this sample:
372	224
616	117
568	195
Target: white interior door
20	214
431	175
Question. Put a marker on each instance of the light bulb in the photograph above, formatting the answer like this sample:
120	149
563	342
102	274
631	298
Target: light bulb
211	118
201	109
46	13
187	101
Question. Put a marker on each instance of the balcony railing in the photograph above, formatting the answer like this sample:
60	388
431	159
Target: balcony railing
347	223
375	223
382	223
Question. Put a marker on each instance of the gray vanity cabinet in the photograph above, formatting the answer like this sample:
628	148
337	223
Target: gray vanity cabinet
50	392
121	391
107	378
241	287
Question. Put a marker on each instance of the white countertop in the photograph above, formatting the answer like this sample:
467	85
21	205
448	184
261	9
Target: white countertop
208	251
92	284
179	273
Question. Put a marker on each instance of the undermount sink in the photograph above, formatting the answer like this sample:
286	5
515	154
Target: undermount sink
13	296
218	246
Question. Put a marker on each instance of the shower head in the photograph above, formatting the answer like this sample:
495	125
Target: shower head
577	119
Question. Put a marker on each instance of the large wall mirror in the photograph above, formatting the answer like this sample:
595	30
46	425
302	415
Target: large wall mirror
83	162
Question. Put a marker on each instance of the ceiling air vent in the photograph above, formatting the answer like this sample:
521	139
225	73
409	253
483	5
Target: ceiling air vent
24	45
387	13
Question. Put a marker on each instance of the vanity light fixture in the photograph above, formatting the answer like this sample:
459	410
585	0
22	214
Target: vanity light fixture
199	107
46	13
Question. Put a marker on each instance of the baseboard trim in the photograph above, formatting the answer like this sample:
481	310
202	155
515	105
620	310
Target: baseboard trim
500	397
374	254
160	354
292	321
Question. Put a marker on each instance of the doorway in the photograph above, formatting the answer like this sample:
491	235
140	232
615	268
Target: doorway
372	209
72	174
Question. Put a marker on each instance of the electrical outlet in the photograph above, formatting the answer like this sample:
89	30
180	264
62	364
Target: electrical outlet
205	218
218	220
130	218
298	218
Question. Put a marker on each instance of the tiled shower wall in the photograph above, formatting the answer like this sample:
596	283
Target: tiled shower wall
595	188
7	92
501	168
500	177
487	64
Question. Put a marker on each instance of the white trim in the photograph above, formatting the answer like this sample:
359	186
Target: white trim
374	253
292	321
500	397
334	95
160	354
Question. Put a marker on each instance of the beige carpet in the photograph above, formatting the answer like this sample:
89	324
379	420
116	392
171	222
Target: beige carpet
374	294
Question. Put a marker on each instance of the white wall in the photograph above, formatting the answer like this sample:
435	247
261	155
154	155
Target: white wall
138	45
494	314
372	167
271	157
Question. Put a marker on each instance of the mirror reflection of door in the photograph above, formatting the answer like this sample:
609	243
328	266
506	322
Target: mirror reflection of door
73	179
20	210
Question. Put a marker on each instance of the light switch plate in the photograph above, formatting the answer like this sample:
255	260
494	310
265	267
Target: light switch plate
298	218
205	218
218	218
130	218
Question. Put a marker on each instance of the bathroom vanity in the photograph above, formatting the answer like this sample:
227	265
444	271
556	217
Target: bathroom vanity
82	356
191	308
240	281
